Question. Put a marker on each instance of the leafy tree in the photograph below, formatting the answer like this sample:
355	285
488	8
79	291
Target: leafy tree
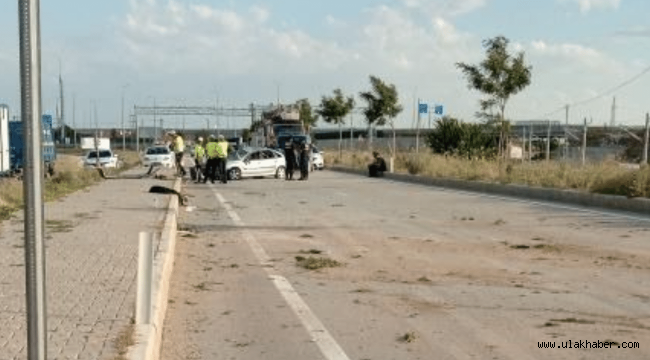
453	137
246	135
382	105
307	115
500	76
334	110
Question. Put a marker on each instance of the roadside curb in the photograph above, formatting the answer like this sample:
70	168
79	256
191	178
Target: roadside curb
148	338
610	202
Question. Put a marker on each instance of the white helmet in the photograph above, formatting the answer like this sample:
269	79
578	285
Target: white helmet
200	139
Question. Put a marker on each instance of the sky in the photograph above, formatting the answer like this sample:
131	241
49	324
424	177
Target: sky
233	53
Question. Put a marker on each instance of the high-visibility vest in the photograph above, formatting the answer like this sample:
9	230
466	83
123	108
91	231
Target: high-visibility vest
212	150
179	145
222	149
199	151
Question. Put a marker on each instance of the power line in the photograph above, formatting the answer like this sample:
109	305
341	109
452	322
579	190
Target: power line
603	94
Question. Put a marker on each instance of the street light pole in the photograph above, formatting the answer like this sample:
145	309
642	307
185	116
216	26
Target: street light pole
123	130
30	89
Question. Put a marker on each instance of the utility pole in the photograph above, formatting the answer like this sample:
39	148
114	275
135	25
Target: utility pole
62	114
137	129
417	129
566	135
530	144
613	119
153	140
548	141
351	130
123	129
584	143
523	147
645	141
30	91
74	126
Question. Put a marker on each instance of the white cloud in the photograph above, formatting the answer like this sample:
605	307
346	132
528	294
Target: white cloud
588	5
444	7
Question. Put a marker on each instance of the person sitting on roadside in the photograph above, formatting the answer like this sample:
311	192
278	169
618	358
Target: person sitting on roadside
378	166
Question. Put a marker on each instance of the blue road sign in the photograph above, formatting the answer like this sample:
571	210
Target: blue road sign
439	110
423	108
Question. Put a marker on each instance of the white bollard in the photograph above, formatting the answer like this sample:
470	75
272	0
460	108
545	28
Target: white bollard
145	273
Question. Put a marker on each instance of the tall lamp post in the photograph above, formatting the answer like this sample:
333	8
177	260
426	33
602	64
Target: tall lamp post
123	130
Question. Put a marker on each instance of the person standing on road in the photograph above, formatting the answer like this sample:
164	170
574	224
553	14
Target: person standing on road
290	158
305	150
222	158
211	166
179	148
199	154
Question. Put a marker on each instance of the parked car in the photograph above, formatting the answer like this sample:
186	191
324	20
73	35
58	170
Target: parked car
159	154
317	161
106	158
255	162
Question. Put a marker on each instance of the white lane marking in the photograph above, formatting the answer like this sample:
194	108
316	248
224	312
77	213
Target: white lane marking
319	334
532	202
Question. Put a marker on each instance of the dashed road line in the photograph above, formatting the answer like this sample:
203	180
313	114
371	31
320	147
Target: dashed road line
319	334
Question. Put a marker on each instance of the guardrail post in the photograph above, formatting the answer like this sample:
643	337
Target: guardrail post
145	273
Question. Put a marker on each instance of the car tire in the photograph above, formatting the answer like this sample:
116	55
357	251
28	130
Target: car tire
280	173
234	174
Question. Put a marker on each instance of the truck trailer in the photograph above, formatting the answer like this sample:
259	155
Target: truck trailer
17	144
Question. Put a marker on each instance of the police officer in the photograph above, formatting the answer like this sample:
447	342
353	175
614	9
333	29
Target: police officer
178	146
290	157
211	166
304	160
199	154
222	158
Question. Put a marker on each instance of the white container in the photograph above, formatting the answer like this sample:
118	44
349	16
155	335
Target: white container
5	166
88	143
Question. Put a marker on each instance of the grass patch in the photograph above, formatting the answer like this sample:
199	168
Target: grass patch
424	279
124	340
520	247
408	338
306	236
311	252
603	178
201	287
316	263
573	321
59	226
69	177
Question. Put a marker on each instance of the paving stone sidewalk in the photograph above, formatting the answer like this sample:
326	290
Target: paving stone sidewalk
91	265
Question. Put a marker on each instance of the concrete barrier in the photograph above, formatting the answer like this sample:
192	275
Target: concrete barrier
149	337
573	197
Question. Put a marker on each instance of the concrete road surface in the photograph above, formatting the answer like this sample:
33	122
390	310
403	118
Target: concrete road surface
425	273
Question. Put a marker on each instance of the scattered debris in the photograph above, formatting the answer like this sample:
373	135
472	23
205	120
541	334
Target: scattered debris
314	263
499	222
408	338
311	251
574	321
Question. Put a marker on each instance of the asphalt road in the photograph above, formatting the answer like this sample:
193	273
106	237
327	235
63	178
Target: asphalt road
425	273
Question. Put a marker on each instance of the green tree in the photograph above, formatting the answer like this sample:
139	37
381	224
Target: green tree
500	76
382	106
307	114
334	109
453	137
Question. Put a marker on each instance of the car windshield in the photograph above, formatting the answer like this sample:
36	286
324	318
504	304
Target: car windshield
238	155
158	151
102	154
